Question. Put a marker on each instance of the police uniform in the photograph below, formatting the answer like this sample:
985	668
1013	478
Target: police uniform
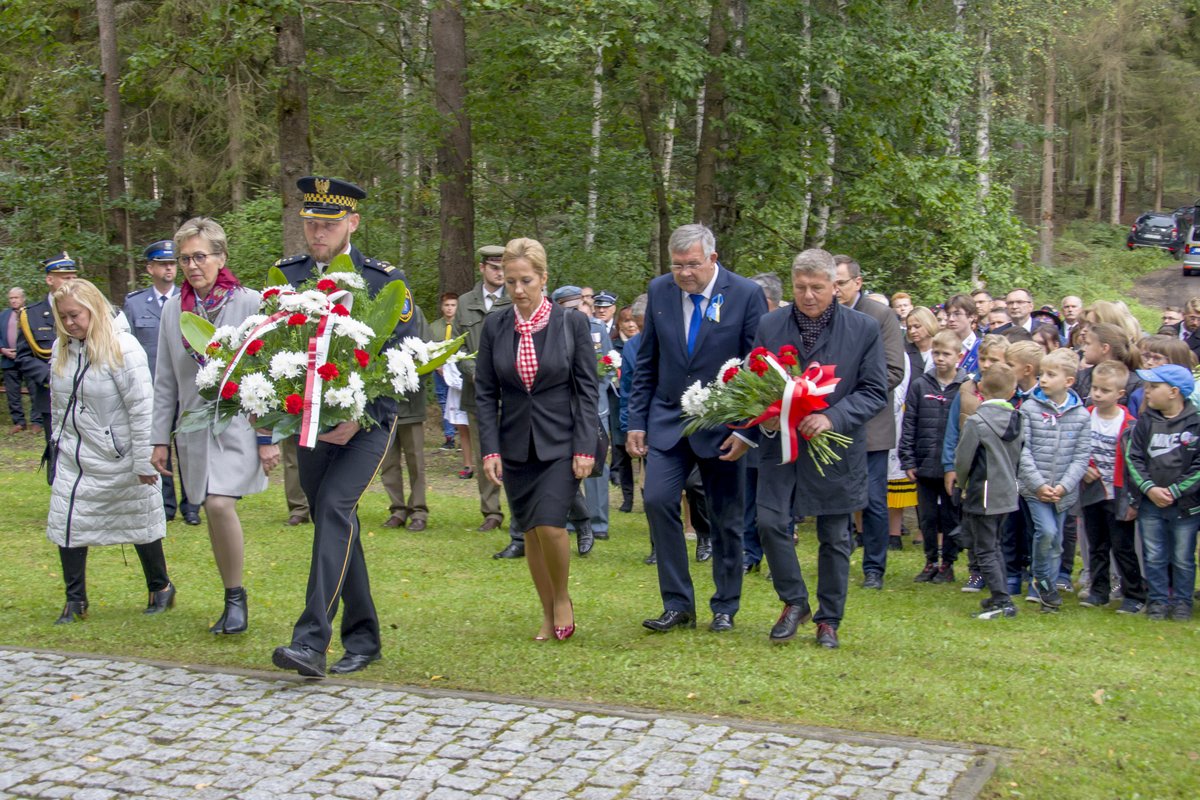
36	337
334	478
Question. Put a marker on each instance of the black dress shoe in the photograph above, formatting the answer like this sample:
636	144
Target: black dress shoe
626	507
827	635
489	524
514	550
161	600
584	537
73	611
703	549
394	521
353	662
236	616
417	525
651	559
751	566
669	620
305	660
789	621
872	580
297	519
721	623
191	517
600	535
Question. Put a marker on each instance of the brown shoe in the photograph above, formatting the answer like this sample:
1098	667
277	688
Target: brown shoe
296	519
394	521
489	524
35	428
16	429
417	525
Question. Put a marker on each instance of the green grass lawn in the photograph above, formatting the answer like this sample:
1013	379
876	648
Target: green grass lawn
1093	705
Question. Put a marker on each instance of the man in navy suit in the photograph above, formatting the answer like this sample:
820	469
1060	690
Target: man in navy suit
697	318
14	378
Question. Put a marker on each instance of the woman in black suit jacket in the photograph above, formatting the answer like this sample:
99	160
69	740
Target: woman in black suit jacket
536	390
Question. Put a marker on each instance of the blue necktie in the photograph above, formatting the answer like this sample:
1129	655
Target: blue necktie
694	325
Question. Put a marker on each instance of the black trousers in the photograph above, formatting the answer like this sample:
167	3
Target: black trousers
334	479
936	514
14	379
622	471
1108	535
983	539
74	567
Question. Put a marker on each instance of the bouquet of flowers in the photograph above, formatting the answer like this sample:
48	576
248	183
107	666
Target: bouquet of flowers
767	386
608	364
310	359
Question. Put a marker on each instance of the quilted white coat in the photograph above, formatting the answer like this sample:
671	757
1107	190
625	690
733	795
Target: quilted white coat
101	419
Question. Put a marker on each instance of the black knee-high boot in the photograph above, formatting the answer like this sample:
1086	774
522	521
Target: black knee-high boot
154	567
74	567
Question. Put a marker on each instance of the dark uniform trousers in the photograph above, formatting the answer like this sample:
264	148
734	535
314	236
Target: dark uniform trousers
334	478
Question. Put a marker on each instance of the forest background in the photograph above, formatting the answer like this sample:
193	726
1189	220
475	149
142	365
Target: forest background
941	143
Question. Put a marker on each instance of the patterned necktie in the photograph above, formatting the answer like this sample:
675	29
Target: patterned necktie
694	325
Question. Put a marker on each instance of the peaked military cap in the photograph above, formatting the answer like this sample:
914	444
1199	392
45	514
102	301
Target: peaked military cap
489	251
328	198
60	263
566	293
161	251
604	300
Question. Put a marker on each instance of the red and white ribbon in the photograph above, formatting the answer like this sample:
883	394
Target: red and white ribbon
318	355
801	396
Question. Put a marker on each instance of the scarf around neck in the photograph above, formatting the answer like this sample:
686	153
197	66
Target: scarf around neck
527	363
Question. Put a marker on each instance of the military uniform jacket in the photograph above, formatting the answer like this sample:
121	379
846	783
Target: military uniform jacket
377	274
469	320
144	314
410	408
41	325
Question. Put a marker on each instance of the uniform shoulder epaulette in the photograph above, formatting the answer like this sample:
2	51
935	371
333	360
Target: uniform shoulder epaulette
283	262
136	292
382	266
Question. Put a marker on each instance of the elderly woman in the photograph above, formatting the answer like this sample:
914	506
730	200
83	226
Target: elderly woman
536	390
217	469
104	486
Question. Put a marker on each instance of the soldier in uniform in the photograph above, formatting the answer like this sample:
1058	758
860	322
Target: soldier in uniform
336	472
143	309
36	324
407	452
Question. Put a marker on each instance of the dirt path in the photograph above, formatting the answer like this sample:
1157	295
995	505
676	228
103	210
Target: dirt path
1165	287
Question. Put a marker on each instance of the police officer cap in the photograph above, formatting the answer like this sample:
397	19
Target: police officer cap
565	294
604	300
161	251
328	198
490	251
60	263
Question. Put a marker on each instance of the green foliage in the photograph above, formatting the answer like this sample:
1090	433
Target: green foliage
254	232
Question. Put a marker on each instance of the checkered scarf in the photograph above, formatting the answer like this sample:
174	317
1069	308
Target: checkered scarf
527	363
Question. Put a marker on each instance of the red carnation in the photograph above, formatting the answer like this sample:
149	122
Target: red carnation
253	348
213	347
758	366
362	357
727	376
787	359
269	293
228	390
789	350
326	285
293	404
607	361
340	310
298	319
758	352
328	371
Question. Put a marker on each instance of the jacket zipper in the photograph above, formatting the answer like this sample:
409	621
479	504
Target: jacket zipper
72	407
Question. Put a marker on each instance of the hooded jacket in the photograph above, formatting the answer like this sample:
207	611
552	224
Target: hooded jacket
986	459
1166	452
1058	446
926	412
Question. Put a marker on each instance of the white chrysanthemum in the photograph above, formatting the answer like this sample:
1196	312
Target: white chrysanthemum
615	358
730	364
402	370
311	302
694	399
419	350
288	364
360	332
224	336
460	356
210	373
248	324
257	394
353	396
350	279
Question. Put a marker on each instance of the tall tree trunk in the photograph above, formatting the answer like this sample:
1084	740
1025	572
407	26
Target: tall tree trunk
648	109
954	128
806	106
237	145
1046	228
832	98
1159	169
295	151
119	275
668	148
983	142
593	196
1118	168
1101	144
708	147
448	36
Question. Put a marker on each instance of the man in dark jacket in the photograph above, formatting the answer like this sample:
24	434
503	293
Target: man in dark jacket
832	334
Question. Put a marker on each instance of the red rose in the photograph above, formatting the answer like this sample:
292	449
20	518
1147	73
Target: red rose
340	310
293	404
326	285
789	350
328	371
269	293
228	390
253	348
298	319
213	347
758	367
362	357
729	373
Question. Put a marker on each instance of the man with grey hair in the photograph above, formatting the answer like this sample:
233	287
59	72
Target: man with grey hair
828	333
772	288
637	310
697	318
14	378
880	430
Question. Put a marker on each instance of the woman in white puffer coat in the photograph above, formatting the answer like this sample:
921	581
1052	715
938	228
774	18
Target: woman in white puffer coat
104	489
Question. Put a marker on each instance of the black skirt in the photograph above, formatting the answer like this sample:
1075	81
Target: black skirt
539	492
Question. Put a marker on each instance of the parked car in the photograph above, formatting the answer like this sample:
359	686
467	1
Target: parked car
1161	229
1191	251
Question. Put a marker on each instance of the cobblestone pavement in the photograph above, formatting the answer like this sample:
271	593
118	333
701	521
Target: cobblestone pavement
93	728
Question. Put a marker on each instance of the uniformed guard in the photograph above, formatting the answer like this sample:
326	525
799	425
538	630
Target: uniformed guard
37	337
336	472
143	309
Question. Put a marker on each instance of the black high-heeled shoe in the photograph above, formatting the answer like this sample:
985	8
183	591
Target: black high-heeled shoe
161	600
236	616
73	611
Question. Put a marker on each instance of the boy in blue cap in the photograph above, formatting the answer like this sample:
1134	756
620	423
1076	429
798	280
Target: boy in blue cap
1164	465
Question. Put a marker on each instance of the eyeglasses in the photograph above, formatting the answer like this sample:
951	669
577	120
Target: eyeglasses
847	282
689	266
1019	302
199	258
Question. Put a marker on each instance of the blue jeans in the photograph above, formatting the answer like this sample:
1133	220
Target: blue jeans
1046	553
1168	539
874	516
441	389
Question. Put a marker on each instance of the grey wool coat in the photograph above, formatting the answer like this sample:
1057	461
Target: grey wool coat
227	464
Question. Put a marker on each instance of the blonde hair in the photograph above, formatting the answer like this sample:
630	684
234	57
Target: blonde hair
1111	369
925	318
1027	352
103	349
999	382
1103	311
1064	358
992	341
947	339
529	249
1118	345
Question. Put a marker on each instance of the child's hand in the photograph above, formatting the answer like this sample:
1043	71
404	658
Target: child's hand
1092	475
1160	497
912	475
1045	493
1060	492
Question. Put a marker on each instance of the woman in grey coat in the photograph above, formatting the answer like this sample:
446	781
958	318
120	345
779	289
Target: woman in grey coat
219	469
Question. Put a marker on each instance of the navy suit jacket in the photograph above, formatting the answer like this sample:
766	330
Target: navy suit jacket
664	369
144	314
5	361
